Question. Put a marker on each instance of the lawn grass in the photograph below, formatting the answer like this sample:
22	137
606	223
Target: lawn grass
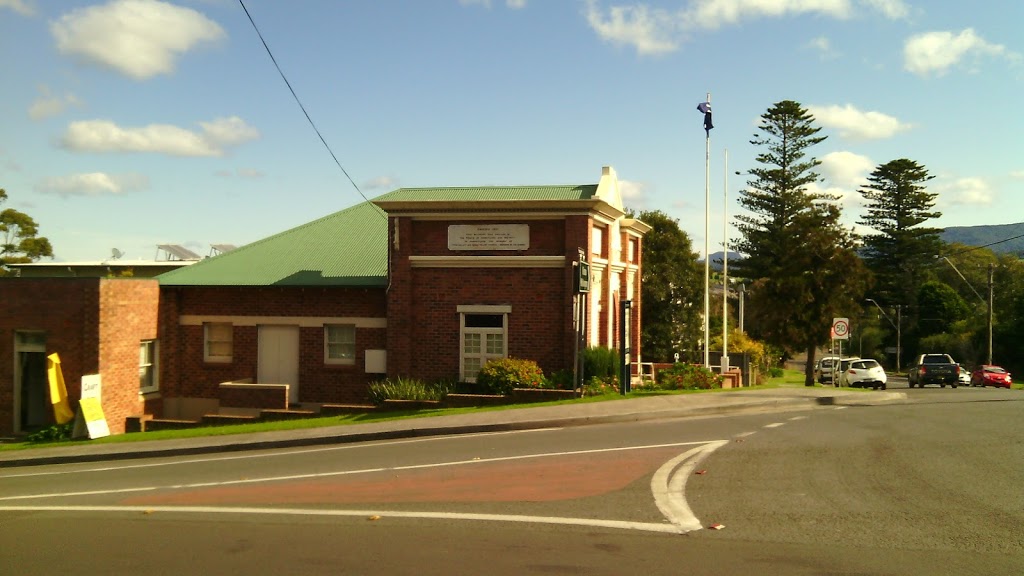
789	378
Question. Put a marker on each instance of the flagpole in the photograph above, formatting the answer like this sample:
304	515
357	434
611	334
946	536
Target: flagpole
725	265
707	245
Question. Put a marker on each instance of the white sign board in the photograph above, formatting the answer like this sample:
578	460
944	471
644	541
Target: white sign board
489	237
90	420
840	328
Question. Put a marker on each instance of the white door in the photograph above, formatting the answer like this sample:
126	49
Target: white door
279	358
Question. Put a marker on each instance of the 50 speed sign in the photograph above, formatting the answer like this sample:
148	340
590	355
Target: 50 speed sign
840	328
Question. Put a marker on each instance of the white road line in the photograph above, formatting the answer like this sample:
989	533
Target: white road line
795	418
669	486
339	472
775	425
841	407
744	434
275	454
383	515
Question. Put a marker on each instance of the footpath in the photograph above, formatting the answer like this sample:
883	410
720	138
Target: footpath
525	418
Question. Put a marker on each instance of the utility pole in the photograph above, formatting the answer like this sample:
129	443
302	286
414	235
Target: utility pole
991	292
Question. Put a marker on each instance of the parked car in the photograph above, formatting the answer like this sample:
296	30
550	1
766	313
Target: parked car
823	369
863	373
965	376
991	375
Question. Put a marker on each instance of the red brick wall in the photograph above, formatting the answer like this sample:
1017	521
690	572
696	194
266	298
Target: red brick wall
187	375
423	319
128	315
94	324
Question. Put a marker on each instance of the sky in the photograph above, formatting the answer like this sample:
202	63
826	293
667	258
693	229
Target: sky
133	123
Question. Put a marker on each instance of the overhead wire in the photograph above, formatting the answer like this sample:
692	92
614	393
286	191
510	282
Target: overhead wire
299	101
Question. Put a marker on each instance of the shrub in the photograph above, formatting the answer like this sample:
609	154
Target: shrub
501	375
600	386
561	380
688	377
54	433
600	362
408	389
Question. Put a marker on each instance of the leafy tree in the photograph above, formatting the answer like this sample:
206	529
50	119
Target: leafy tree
939	306
672	289
801	259
18	238
902	252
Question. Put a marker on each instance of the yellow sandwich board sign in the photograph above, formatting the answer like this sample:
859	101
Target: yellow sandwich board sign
90	419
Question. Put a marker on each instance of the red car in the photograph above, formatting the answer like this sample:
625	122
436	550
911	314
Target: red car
988	375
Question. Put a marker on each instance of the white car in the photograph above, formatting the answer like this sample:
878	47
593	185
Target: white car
965	376
863	373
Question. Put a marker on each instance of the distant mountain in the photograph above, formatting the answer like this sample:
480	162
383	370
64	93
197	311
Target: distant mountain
1000	238
718	257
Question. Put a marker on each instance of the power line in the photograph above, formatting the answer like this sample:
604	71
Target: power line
299	102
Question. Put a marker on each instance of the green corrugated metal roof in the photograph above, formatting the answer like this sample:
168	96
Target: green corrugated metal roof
347	248
483	193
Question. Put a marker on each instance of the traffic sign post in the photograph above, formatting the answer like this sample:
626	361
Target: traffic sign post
840	328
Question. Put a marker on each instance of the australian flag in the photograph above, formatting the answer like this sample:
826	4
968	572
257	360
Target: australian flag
705	107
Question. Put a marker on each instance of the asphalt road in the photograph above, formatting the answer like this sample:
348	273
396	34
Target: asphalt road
930	486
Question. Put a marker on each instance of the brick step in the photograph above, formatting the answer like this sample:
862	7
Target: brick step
168	424
225	419
339	409
286	414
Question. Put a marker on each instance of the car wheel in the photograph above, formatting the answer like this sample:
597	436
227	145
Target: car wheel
883	386
953	385
941	385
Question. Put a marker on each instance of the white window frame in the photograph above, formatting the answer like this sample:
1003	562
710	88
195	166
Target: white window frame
328	359
483	355
208	341
150	365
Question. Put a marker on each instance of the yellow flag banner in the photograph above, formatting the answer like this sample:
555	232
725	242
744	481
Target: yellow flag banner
58	393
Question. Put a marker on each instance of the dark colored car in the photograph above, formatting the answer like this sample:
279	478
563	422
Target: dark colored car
989	375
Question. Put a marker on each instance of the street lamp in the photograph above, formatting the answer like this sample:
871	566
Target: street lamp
896	325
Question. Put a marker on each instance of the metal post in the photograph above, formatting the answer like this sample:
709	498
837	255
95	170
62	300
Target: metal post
707	252
899	344
725	268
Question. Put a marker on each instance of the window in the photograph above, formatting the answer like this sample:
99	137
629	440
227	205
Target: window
148	366
484	330
597	242
217	341
340	344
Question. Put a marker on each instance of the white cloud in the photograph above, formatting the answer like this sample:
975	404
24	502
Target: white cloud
513	4
650	31
857	124
939	51
380	183
846	170
891	9
1018	174
653	31
23	7
93	184
843	174
139	38
823	46
47	105
105	136
634	194
964	192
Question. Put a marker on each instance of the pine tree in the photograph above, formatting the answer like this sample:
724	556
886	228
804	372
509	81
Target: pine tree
902	251
800	258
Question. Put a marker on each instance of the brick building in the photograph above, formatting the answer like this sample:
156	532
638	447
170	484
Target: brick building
420	282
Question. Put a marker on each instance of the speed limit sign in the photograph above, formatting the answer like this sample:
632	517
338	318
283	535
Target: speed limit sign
840	328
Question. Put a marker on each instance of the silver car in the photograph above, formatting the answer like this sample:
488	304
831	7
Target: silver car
863	373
